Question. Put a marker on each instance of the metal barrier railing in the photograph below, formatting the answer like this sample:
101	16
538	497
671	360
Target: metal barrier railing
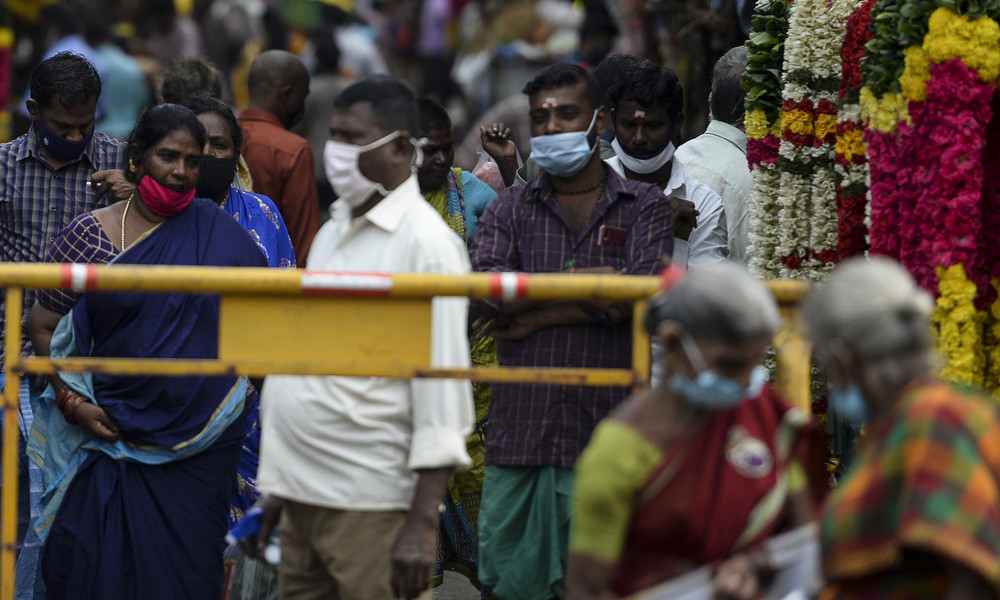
382	324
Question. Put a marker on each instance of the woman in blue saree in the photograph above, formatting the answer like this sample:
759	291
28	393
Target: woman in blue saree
139	469
260	217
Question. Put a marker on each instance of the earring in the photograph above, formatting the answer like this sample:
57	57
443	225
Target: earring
132	167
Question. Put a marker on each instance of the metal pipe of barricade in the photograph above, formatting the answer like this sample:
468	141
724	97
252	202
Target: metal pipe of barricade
11	402
279	283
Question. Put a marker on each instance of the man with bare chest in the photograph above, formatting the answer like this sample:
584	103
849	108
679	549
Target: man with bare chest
578	217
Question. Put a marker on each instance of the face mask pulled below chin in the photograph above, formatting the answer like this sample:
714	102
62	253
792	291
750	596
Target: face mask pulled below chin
563	154
162	200
340	161
643	166
215	176
58	146
711	390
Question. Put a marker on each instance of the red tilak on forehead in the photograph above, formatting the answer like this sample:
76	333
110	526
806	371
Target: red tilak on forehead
639	115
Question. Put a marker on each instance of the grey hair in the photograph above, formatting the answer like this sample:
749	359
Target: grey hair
873	307
718	302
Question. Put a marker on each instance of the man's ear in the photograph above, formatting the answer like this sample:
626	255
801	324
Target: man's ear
32	105
603	121
678	127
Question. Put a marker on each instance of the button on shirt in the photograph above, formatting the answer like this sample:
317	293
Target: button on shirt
718	158
37	202
708	241
525	229
353	443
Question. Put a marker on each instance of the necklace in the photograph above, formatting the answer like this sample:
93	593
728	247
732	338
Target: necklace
128	203
599	184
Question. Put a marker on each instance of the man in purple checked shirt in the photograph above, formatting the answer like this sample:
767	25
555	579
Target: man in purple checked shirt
578	217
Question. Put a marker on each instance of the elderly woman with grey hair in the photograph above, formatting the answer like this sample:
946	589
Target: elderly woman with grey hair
919	514
703	467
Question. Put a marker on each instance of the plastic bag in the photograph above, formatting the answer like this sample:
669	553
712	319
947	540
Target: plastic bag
487	170
246	578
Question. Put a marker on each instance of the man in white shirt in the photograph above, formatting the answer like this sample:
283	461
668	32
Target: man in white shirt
357	467
646	106
718	157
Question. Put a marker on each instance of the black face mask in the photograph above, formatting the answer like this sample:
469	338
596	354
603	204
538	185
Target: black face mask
215	176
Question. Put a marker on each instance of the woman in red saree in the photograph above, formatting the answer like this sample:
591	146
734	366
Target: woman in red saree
703	468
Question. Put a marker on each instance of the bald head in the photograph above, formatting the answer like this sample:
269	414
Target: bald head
279	83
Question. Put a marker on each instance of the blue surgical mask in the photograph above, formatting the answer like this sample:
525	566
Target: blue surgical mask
711	390
563	154
58	146
849	402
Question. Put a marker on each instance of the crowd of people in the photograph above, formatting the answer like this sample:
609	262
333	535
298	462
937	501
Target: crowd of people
376	486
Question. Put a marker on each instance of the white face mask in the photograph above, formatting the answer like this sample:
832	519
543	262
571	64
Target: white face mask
340	161
643	166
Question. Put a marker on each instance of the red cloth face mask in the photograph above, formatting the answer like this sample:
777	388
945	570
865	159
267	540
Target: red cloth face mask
162	200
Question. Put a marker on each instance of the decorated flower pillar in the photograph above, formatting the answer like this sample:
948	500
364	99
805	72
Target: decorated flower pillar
929	100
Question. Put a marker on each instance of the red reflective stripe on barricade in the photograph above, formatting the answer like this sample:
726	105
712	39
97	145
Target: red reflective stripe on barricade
509	286
78	277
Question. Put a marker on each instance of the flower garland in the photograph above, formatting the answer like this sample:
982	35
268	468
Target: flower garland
765	50
934	201
851	166
806	194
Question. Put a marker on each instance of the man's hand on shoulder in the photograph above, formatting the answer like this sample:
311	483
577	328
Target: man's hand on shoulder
111	183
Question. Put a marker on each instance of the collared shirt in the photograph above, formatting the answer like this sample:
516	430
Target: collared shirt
281	165
718	158
707	242
353	443
525	229
37	202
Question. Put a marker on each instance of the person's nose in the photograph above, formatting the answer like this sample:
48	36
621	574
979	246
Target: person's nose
76	135
640	136
553	125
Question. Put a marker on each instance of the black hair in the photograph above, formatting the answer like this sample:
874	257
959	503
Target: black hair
156	123
394	105
611	69
67	74
564	75
183	77
433	116
649	84
727	90
206	103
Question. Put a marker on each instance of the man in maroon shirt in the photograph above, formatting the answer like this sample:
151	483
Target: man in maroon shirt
578	217
281	163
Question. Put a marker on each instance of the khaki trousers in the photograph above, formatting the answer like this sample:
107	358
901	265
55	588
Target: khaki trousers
329	554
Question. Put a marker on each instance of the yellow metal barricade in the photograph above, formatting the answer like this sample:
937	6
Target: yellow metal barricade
334	324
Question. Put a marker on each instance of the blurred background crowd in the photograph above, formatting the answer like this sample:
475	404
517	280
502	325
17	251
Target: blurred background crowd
473	56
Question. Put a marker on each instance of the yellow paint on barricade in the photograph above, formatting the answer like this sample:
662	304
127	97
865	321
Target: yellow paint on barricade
347	324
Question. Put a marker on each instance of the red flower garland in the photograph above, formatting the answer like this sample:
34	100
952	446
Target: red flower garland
851	199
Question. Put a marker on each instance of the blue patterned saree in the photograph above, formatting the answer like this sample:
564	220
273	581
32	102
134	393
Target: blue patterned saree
145	517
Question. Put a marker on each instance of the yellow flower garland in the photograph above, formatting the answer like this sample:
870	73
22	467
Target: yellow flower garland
756	124
976	41
885	113
851	143
959	327
915	74
799	122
